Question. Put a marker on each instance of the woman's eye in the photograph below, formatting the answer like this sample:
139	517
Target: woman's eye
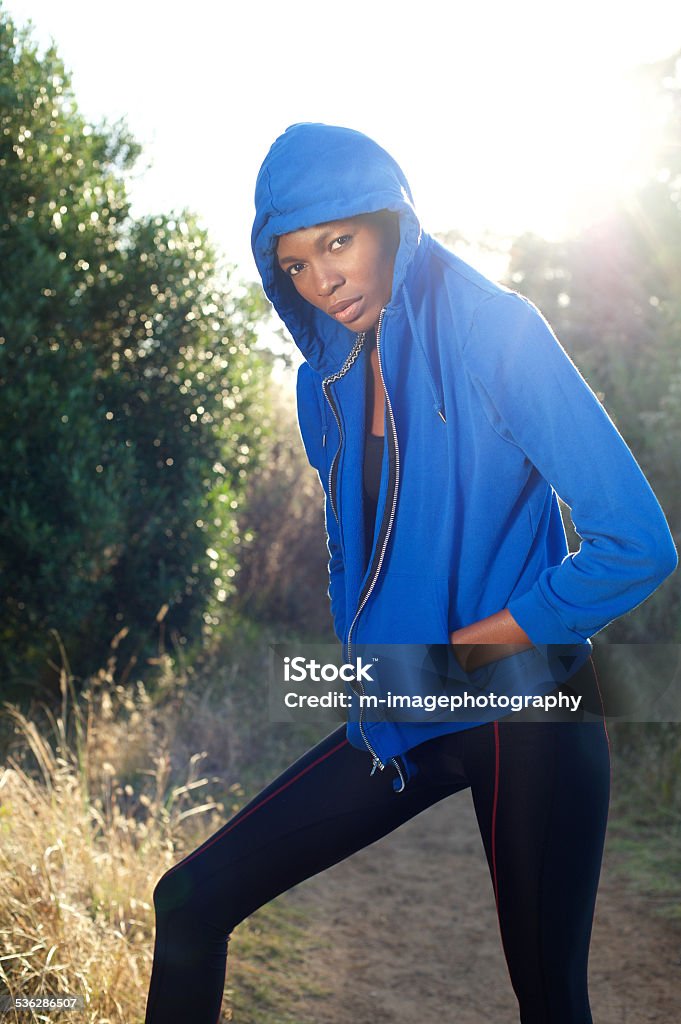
294	269
340	241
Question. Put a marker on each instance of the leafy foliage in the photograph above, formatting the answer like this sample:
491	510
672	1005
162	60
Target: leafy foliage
131	388
612	294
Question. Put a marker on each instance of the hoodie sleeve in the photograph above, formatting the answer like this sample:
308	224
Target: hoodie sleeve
311	429
535	398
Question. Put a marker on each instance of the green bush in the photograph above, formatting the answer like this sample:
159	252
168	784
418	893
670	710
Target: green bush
132	392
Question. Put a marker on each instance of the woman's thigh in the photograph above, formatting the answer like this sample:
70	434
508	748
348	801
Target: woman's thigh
322	808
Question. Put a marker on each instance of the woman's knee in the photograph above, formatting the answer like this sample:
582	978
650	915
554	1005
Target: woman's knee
179	893
170	892
190	903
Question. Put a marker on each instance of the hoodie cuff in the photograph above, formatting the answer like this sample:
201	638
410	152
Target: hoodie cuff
540	621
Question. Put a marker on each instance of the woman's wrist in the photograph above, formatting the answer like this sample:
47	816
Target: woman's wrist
487	640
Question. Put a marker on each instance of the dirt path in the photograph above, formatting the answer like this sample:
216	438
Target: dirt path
408	934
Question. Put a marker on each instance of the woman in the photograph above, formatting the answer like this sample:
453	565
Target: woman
443	418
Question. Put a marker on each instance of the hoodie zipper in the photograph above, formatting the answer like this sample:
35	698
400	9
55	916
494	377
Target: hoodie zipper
377	763
352	356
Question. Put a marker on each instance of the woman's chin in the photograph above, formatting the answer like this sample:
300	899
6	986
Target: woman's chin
364	322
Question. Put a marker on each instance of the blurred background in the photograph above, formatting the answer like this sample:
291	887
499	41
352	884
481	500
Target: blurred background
160	524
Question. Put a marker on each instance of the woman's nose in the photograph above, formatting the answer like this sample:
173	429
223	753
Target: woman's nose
328	279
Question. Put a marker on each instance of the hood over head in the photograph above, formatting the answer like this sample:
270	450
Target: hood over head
316	173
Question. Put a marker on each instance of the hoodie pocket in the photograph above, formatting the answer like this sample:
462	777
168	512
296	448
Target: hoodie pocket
403	642
511	667
406	608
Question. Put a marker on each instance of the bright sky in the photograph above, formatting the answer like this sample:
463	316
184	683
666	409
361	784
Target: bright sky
505	116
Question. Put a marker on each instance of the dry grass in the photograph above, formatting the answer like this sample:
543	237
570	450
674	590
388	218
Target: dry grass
98	798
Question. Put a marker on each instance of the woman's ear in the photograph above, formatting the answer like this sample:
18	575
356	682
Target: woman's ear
389	224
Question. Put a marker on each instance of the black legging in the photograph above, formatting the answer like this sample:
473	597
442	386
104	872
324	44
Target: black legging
540	791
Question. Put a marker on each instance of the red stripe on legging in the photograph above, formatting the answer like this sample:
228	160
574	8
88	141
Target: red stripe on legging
494	814
600	697
607	737
247	814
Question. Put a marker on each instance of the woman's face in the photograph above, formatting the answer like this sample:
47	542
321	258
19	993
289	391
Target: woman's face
344	267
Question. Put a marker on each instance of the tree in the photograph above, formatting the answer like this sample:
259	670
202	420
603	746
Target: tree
612	294
131	389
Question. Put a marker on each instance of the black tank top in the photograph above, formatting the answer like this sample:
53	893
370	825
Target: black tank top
373	458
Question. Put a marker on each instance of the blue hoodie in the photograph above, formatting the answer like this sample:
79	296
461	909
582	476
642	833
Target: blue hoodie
487	422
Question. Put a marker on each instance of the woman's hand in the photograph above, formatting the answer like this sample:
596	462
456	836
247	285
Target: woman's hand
497	636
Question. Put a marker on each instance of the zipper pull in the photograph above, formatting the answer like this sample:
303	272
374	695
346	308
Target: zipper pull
377	764
400	782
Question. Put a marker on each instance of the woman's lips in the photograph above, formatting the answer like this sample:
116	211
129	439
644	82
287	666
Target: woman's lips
345	311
